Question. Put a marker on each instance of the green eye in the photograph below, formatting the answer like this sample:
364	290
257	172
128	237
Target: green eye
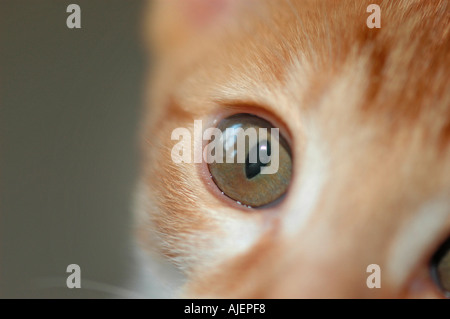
262	174
440	268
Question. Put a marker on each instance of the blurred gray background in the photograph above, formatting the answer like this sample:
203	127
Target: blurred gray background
69	109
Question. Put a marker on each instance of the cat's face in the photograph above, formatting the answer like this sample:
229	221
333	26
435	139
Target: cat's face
365	114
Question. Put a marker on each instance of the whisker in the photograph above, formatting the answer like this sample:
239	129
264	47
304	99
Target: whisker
92	285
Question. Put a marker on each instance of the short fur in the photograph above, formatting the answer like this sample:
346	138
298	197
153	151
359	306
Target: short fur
367	113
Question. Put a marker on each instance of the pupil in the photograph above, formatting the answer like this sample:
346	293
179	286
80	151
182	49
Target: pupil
254	169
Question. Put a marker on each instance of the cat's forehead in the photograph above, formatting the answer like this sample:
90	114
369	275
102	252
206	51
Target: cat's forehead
289	56
292	58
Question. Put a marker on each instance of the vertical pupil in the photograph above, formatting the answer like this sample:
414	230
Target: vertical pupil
254	169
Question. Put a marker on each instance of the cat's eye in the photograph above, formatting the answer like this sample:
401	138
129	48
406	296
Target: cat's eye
440	268
258	173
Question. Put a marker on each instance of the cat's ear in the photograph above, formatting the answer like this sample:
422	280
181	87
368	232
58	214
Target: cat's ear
173	22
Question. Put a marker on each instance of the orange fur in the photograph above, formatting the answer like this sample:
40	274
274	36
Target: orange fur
379	102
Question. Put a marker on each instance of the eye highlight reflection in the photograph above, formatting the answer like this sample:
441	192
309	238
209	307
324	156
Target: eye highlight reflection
250	181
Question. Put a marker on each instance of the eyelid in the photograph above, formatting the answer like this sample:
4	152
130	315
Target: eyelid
227	109
440	253
414	242
421	269
422	287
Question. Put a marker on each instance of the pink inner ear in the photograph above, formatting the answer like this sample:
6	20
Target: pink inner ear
203	13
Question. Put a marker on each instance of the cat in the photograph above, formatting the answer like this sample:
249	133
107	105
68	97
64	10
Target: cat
365	115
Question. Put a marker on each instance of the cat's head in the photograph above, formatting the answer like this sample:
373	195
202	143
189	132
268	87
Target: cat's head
364	115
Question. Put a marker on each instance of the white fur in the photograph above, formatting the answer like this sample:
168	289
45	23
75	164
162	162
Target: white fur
313	176
151	276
